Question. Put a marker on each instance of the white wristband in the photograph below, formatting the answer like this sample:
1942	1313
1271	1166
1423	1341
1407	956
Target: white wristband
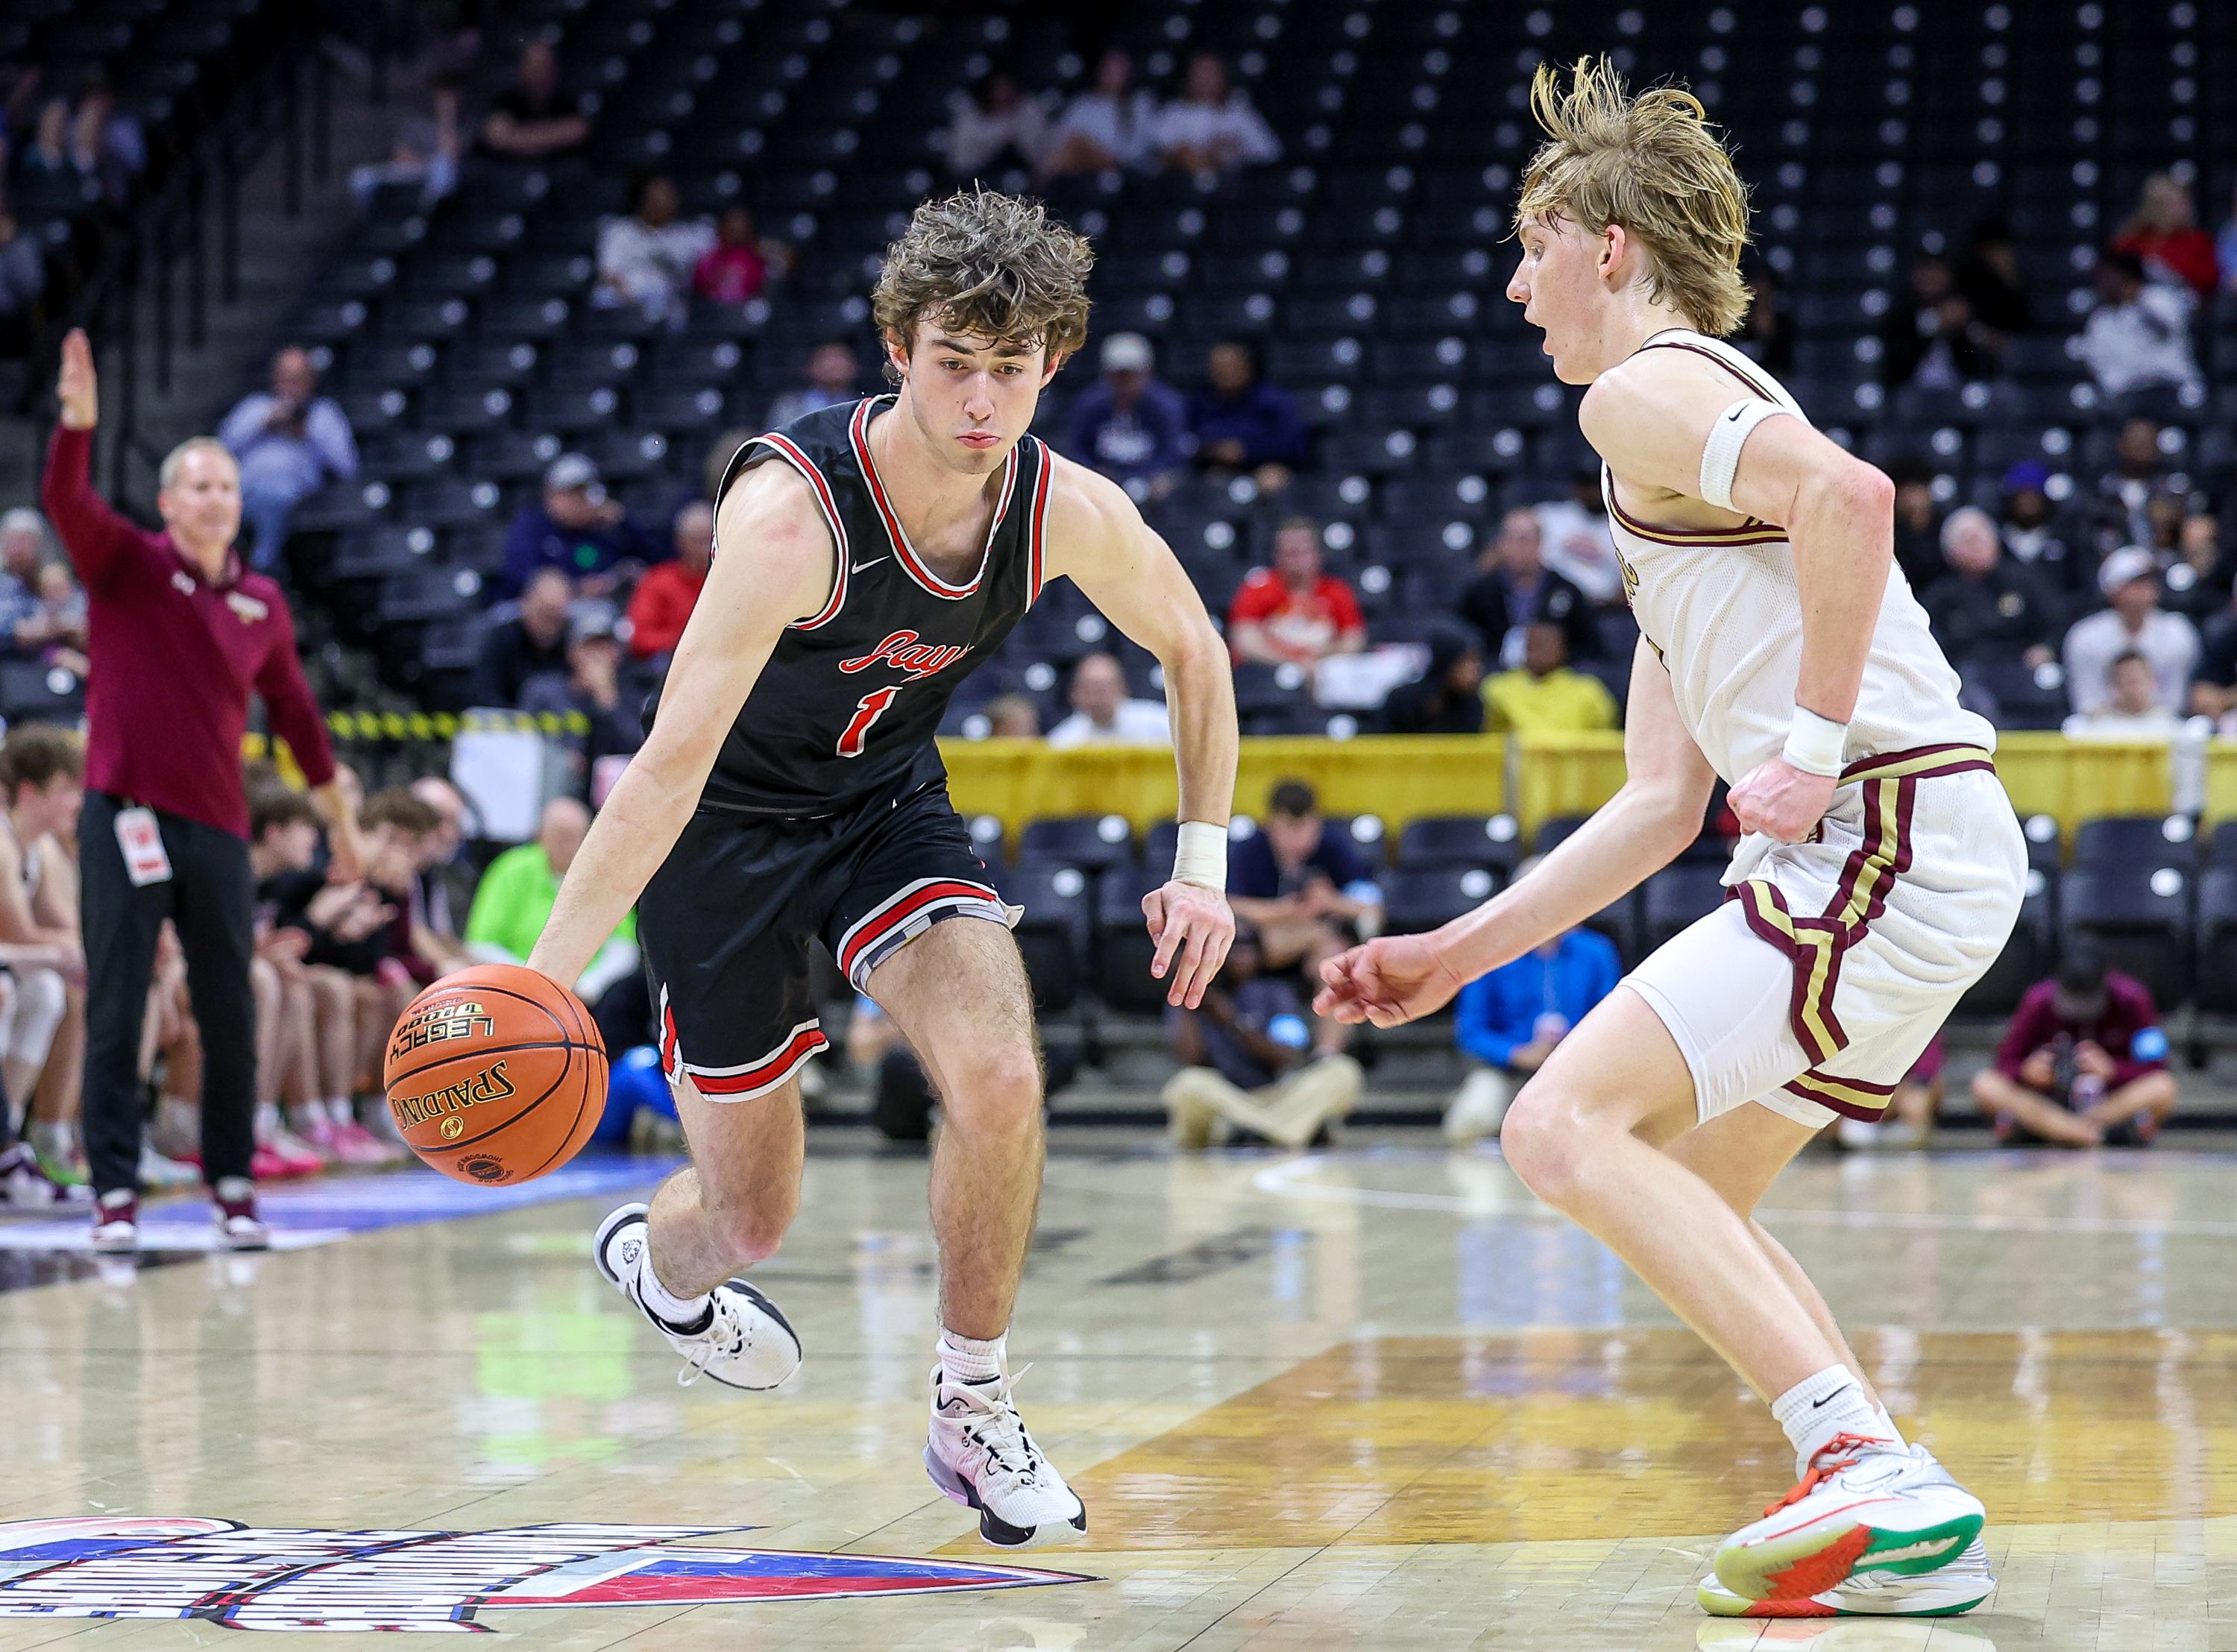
1816	745
1200	856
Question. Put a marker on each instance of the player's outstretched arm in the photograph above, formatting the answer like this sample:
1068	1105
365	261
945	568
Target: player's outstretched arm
1652	420
773	565
1640	830
1099	538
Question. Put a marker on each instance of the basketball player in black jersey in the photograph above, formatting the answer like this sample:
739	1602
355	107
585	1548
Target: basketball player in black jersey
866	558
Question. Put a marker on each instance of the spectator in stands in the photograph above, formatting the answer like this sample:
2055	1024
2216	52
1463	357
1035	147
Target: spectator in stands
1543	695
1241	422
1294	613
2197	583
1514	588
665	596
1935	340
22	282
514	902
289	444
2032	538
2163	233
1510	1020
1102	714
2134	621
2138	338
2139	485
45	163
1574	540
1107	129
1305	887
2083	1061
2133	713
1208	128
741	263
444	887
996	128
425	153
647	256
1448	697
23	552
1240	1052
581	531
1988	277
43	781
531	644
1012	717
613	723
1918	520
1130	425
535	119
102	134
833	375
1988	608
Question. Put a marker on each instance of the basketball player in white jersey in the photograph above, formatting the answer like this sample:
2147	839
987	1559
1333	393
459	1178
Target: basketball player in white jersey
1782	650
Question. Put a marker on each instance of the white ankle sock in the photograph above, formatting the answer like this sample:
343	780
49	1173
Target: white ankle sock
1831	1403
337	1110
967	1359
684	1313
268	1123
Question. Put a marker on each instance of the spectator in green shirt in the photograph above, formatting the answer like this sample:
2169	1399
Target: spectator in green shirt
514	902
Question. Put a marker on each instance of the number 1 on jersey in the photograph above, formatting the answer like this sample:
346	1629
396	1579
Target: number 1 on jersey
871	706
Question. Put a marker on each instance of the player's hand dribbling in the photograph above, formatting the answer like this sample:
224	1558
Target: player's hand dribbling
1193	927
1781	801
1392	980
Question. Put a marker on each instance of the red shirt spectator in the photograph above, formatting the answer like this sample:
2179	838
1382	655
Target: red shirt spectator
739	265
1293	612
2127	1028
2163	231
665	596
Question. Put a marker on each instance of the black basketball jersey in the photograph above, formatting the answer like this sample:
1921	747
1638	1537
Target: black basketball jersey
848	702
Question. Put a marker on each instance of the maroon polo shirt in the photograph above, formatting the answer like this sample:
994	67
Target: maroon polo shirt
175	657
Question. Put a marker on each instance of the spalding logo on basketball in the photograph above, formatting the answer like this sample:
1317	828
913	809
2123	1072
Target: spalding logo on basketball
496	1074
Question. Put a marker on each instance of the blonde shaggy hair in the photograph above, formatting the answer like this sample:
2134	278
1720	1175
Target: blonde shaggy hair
1652	164
990	266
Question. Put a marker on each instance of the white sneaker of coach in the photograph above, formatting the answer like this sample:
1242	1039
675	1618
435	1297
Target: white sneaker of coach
980	1455
1958	1587
745	1343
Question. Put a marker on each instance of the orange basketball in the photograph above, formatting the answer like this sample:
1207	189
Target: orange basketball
496	1074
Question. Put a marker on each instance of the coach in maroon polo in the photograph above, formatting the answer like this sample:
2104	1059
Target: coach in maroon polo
181	633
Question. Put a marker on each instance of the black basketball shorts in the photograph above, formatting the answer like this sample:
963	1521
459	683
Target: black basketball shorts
725	925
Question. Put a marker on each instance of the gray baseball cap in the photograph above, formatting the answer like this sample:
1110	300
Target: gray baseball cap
572	471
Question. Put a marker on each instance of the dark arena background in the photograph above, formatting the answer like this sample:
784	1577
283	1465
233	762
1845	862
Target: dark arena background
484	297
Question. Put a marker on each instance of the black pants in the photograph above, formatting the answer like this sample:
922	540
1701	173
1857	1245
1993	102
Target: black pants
209	897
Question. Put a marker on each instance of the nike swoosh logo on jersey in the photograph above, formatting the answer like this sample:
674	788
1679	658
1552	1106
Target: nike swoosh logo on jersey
857	568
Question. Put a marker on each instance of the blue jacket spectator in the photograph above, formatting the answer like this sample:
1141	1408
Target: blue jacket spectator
579	531
1511	1019
1130	426
1241	422
287	443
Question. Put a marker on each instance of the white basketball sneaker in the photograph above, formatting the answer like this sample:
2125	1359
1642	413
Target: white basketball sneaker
980	1455
1857	1510
744	1341
1958	1587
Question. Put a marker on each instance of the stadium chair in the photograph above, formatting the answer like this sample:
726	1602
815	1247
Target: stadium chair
2141	914
1416	901
1435	842
375	553
1053	933
2217	939
1123	947
2116	842
2021	695
1369	836
452	643
2221	848
1092	842
31	691
1269	694
2028	957
2042	841
1678	896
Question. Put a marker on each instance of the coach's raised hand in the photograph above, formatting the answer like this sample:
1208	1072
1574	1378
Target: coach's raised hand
76	386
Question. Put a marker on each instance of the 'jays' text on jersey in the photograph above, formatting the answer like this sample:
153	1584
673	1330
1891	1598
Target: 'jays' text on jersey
848	702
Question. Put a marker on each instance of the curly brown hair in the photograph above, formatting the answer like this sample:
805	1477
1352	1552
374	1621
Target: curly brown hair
1653	164
993	266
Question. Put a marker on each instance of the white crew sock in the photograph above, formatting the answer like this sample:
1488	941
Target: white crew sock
678	1312
1832	1403
967	1359
338	1111
268	1123
304	1116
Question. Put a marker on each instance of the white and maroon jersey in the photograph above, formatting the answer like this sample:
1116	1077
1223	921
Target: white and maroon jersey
1721	607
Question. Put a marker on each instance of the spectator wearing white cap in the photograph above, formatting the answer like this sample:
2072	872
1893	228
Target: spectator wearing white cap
1129	424
579	530
2134	624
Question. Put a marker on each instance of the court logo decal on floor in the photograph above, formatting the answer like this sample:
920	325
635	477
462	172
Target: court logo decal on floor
262	1577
